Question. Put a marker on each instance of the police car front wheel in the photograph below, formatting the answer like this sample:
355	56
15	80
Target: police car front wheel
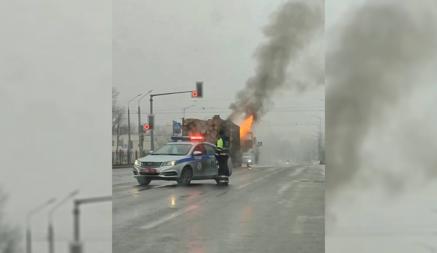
186	175
144	181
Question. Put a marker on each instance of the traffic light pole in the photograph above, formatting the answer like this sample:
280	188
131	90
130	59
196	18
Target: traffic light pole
51	234
140	136
76	245
140	128
152	143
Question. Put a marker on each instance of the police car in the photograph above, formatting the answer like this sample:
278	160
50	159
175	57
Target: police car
182	160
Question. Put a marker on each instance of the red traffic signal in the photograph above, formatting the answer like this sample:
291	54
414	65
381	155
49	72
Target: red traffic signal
198	92
199	89
194	94
146	127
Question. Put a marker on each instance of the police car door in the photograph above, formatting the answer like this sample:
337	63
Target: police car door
212	161
200	164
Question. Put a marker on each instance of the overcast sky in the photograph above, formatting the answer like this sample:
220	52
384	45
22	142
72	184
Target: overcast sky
169	45
55	102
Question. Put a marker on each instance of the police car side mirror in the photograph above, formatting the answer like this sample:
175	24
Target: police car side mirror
197	153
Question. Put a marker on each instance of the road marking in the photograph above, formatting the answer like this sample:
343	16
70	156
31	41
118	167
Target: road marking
307	224
297	171
275	171
169	217
287	185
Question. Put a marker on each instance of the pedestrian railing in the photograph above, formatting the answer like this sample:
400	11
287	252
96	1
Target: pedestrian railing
120	157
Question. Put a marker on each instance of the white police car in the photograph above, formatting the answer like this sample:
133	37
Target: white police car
179	161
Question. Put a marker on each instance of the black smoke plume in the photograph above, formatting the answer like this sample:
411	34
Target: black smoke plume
291	29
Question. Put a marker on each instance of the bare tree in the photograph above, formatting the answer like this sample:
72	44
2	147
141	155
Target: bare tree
9	235
117	116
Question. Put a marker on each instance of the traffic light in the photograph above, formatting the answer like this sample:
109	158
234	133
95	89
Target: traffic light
194	94
198	92
146	127
151	122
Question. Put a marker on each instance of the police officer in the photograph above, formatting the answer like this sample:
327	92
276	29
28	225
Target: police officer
222	155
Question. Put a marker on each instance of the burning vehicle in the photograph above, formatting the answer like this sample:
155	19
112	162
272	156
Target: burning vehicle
239	140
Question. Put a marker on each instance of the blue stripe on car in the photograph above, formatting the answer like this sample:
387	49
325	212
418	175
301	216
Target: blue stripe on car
189	159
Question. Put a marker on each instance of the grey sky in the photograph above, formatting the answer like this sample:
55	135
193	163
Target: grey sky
168	45
55	88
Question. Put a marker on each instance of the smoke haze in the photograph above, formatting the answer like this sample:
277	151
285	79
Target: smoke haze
381	132
377	64
291	30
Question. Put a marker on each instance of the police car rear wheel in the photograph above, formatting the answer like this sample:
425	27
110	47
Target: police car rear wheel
186	176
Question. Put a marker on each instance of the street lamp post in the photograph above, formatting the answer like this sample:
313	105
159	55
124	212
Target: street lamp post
321	144
51	235
28	220
140	128
128	131
320	136
184	110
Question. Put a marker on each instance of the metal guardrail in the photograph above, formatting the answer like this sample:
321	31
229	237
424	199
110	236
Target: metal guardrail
120	158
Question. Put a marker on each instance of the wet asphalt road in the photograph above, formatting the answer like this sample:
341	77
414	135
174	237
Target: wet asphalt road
264	209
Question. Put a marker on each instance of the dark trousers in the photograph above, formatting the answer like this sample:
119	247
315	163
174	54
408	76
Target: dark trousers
223	165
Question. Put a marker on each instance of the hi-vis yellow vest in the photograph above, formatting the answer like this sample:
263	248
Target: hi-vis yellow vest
220	143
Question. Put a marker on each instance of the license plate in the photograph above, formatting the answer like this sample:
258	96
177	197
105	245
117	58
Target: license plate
149	170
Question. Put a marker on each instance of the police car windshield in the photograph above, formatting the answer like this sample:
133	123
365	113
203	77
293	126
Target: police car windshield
173	149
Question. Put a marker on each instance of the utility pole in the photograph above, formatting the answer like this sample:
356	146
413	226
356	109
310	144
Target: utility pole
129	146
76	245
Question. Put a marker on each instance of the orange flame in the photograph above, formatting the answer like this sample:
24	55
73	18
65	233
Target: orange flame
246	127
